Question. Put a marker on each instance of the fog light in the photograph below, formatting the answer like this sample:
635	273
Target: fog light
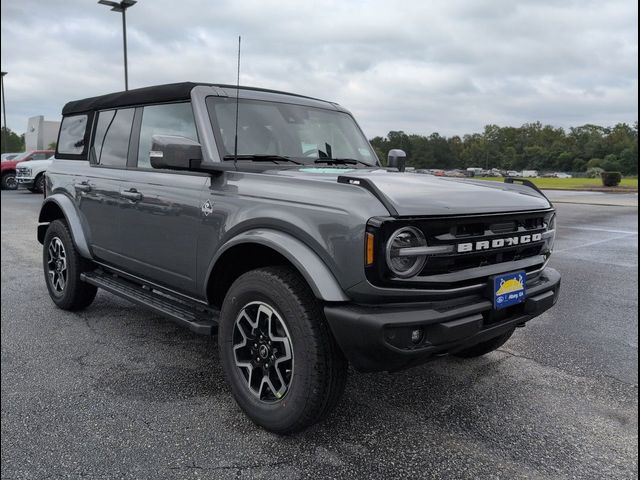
416	335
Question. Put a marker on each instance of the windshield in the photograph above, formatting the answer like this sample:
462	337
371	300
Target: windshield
300	132
22	155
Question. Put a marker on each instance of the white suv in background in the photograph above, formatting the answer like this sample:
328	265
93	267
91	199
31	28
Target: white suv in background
30	174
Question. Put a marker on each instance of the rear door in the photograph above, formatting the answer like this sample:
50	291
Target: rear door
98	187
162	216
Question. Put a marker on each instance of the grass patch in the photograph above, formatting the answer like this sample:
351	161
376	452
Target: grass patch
572	183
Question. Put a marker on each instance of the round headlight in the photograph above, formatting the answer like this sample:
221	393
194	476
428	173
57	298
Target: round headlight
400	264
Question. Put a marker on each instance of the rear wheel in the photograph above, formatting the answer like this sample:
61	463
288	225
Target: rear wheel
62	268
9	181
485	347
284	367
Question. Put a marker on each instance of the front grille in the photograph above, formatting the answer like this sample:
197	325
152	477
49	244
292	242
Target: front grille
481	246
482	232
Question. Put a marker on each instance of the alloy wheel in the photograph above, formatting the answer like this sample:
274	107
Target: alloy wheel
11	182
263	351
57	265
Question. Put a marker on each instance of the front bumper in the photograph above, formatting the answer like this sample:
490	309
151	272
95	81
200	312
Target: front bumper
376	338
25	182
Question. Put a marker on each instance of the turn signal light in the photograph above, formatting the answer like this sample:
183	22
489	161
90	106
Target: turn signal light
369	249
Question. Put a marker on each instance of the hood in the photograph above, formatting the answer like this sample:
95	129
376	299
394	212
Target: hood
36	163
414	194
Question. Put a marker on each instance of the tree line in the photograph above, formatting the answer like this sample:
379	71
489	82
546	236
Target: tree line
532	146
14	142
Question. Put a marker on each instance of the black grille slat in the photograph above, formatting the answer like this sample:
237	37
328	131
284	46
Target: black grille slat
471	265
444	231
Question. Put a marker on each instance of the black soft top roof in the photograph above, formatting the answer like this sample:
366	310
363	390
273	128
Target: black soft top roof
140	96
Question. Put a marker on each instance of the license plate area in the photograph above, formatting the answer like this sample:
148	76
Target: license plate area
509	289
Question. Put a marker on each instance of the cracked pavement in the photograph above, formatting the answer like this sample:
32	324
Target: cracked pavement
119	392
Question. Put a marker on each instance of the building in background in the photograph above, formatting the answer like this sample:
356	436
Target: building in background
40	133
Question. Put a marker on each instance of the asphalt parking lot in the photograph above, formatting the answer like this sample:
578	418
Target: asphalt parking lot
118	392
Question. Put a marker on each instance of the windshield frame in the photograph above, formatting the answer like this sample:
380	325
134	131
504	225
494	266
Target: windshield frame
305	161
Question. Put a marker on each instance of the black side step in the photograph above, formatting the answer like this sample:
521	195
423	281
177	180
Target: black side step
197	317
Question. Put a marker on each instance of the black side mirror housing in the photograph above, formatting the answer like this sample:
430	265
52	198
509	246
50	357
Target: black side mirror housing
175	153
397	159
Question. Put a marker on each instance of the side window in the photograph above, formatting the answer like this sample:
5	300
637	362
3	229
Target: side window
111	141
40	156
72	135
171	119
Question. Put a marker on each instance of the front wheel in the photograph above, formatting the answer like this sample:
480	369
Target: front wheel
485	347
38	184
62	268
283	365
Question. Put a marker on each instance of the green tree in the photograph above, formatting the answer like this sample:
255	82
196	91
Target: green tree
15	142
531	146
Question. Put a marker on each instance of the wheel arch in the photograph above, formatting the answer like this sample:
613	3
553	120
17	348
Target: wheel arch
261	248
57	207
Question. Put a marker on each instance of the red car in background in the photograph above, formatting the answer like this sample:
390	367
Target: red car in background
8	167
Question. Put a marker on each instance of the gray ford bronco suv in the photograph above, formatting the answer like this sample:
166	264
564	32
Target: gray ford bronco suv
266	218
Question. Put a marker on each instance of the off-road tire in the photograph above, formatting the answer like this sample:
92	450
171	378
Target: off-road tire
485	347
319	369
76	294
8	181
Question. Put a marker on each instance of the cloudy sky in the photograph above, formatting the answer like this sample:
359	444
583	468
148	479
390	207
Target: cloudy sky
419	66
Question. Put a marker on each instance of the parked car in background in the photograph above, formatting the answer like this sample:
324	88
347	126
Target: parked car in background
513	173
10	156
30	174
8	167
529	173
562	175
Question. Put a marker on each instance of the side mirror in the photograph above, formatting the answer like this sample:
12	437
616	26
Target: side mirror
396	159
175	153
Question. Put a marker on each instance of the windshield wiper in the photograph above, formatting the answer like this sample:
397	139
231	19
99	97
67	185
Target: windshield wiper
263	158
341	161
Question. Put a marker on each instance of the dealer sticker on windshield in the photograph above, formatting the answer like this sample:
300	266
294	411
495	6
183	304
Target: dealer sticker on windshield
509	289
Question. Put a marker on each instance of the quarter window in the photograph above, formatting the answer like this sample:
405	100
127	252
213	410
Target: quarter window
72	135
111	142
170	119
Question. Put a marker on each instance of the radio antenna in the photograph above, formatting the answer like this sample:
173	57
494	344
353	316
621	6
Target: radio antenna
235	143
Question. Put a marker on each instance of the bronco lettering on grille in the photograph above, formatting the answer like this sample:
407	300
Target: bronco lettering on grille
498	243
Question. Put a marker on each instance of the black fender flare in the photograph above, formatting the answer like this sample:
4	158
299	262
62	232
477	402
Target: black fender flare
68	209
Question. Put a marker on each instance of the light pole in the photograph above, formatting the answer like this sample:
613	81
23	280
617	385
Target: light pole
4	114
122	7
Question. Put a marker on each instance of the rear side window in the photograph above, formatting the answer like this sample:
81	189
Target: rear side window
111	141
73	135
170	119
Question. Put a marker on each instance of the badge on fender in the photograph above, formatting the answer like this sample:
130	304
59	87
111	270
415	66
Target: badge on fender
207	208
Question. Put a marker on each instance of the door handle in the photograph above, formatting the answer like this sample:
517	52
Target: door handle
131	194
82	187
